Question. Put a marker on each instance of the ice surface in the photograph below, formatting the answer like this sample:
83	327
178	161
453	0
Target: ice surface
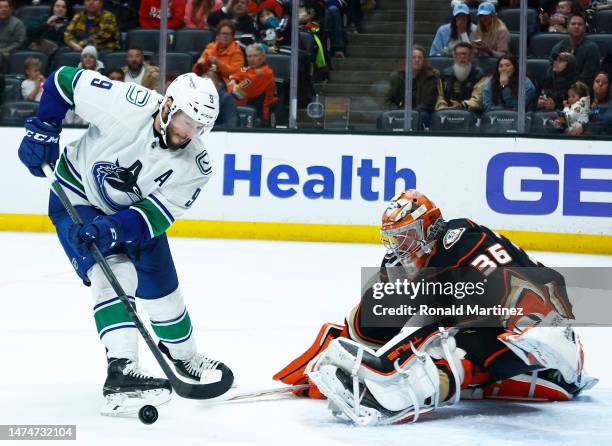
254	305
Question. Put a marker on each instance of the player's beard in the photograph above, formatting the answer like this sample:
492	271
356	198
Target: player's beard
462	72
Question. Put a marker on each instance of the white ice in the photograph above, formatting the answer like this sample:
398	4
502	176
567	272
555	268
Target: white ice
255	305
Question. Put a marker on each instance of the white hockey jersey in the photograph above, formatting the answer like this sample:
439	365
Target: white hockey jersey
118	163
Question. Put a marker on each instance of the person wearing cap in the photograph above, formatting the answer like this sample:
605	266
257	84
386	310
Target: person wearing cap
460	29
491	38
586	52
560	76
89	59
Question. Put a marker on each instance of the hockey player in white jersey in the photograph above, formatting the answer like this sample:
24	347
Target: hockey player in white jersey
139	166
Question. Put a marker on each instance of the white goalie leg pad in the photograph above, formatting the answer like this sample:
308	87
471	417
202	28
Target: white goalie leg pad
556	348
121	340
170	311
401	394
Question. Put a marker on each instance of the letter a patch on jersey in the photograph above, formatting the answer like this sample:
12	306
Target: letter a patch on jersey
137	95
451	237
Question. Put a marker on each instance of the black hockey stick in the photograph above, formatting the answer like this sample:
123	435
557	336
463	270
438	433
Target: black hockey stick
182	388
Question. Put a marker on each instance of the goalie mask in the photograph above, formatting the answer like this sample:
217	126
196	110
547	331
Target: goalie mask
410	227
197	98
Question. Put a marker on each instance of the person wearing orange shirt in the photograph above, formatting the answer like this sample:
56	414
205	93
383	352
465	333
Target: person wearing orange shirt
222	56
254	84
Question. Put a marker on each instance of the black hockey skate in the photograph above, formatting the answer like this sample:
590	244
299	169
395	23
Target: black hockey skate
201	369
127	388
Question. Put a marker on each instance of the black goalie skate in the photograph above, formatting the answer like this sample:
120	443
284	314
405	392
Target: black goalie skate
127	388
201	369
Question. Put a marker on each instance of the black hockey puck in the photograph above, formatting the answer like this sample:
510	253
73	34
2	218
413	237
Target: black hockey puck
148	414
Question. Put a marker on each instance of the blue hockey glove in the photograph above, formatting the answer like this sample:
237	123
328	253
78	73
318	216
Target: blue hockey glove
39	145
106	232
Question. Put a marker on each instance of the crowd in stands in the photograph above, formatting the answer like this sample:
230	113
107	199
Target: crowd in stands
471	65
243	33
575	86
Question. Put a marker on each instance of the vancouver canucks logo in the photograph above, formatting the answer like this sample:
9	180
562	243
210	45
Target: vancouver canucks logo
112	178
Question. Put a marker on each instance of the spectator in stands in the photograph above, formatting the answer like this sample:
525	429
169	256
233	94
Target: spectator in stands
236	12
585	52
491	37
254	84
273	31
12	30
311	16
557	22
276	6
149	14
222	56
560	76
425	86
460	29
89	59
92	26
501	90
125	11
576	108
116	74
600	119
334	27
462	84
47	32
228	112
197	11
140	72
472	3
31	87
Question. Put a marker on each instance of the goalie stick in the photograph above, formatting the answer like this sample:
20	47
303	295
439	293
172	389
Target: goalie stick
256	394
182	388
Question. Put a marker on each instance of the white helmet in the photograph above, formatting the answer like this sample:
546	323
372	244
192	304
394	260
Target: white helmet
197	97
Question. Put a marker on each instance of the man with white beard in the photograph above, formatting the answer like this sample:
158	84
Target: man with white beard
462	84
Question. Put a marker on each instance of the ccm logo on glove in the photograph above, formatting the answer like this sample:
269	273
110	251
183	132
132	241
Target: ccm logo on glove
49	139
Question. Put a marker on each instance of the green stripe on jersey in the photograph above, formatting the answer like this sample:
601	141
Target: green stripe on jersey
64	172
113	314
175	331
64	77
158	222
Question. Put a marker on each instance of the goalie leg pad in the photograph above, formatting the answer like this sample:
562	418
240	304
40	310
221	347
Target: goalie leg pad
293	373
382	390
556	348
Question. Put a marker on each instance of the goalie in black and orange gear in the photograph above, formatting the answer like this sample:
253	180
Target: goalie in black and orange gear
383	375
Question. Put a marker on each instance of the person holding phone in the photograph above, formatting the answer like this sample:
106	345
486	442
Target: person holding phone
47	32
491	38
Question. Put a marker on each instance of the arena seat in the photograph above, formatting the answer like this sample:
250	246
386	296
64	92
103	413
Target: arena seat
512	18
393	120
15	113
537	70
440	63
542	44
175	62
542	122
12	90
192	41
29	14
500	121
453	121
144	38
69	59
17	59
602	21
